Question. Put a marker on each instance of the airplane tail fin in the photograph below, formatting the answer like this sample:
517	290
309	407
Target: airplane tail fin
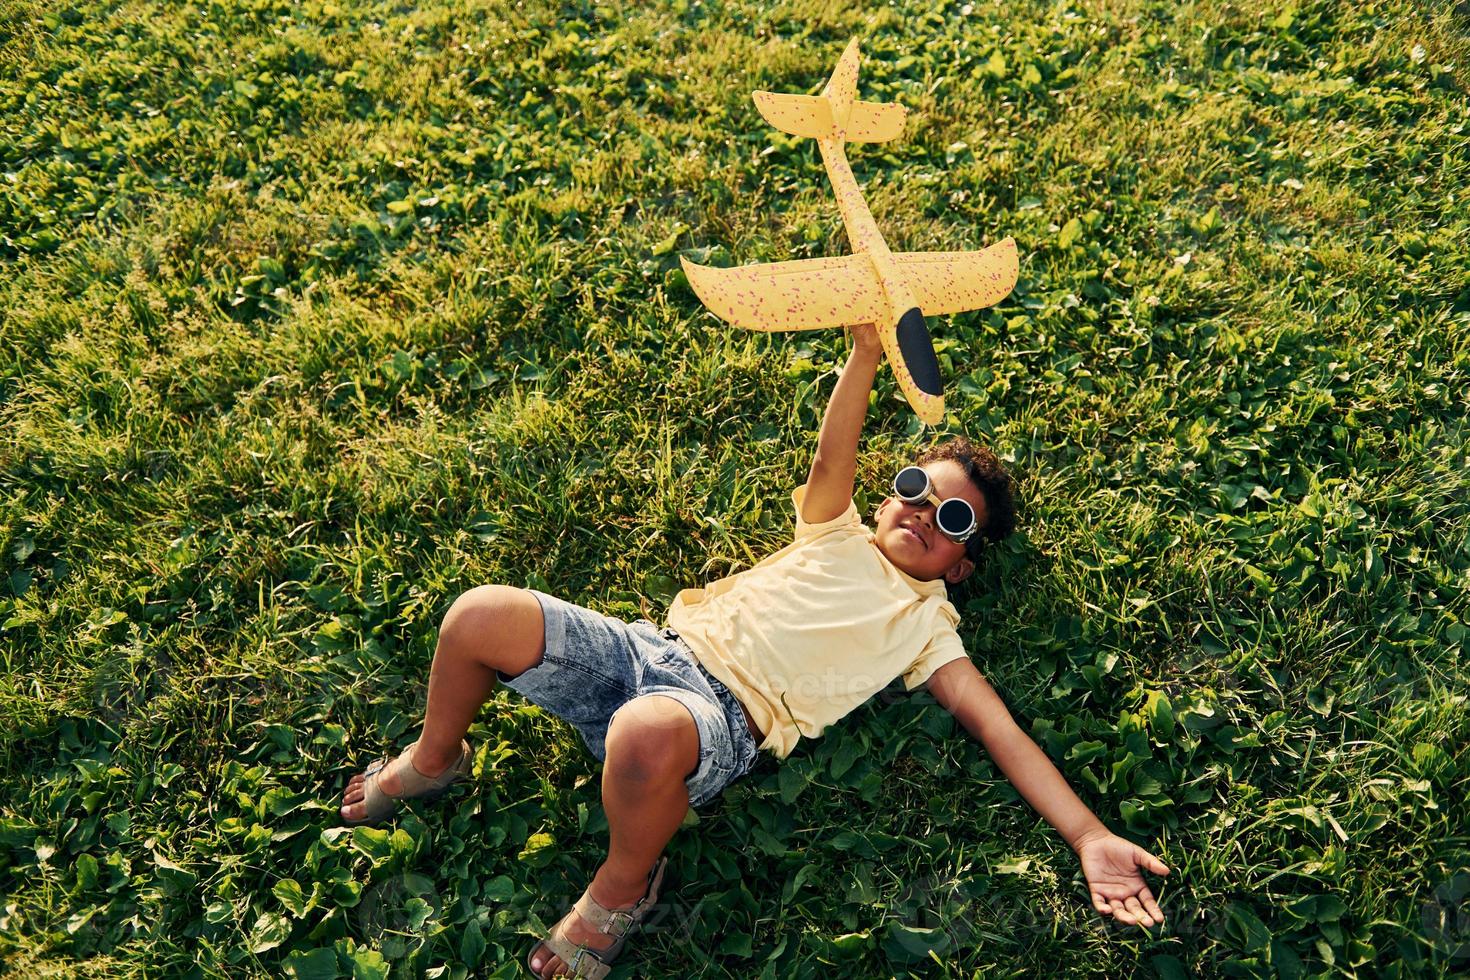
834	113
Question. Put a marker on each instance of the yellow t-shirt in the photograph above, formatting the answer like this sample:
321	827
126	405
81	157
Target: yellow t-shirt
817	628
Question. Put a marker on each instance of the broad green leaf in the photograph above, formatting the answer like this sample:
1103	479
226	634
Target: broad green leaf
316	964
16	832
280	801
369	964
498	889
401	844
539	850
908	944
472	945
86	867
270	930
1013	866
288	890
1071	231
848	752
1168	967
418	911
1084	752
736	944
1245	928
790	782
372	841
851	842
1160	714
805	873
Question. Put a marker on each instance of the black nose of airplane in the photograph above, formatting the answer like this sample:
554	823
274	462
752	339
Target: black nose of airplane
917	348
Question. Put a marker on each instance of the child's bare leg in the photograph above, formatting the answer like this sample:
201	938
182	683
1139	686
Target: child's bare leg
489	628
652	747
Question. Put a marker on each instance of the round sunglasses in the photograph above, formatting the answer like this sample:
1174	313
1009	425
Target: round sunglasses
954	517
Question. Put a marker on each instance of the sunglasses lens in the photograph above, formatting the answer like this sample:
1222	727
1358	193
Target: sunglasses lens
911	483
955	516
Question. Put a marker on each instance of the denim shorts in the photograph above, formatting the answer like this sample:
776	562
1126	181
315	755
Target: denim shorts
595	664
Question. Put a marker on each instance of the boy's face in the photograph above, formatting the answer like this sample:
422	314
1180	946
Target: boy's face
908	537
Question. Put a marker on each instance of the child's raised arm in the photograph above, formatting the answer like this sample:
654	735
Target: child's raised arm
829	485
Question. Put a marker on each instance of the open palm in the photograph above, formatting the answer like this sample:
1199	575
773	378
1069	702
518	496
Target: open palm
1114	871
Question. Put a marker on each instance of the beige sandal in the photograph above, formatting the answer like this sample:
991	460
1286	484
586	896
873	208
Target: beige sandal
416	786
594	964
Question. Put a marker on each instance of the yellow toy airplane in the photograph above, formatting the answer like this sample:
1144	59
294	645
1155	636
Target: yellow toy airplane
894	291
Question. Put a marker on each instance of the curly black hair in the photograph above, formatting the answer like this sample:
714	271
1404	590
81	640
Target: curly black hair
988	474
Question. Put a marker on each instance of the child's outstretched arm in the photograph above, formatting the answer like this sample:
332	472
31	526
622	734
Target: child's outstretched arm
829	485
1110	863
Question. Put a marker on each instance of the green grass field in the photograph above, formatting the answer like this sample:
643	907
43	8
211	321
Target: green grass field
314	316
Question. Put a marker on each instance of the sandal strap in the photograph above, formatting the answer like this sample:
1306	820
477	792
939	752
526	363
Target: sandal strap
580	967
582	961
379	804
594	964
619	922
416	783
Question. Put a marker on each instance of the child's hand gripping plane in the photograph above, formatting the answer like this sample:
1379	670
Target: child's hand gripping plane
893	290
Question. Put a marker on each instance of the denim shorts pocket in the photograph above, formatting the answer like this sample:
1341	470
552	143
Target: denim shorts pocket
708	780
668	657
673	649
750	752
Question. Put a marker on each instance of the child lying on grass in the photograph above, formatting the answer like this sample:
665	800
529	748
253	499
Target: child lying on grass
755	661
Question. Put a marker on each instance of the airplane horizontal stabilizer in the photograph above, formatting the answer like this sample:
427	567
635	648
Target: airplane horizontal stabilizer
875	122
811	116
804	294
956	282
799	115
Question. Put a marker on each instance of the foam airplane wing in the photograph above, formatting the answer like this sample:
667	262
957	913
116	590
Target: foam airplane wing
893	291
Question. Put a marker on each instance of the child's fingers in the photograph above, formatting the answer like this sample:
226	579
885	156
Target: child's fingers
1149	903
1117	908
1121	914
1146	860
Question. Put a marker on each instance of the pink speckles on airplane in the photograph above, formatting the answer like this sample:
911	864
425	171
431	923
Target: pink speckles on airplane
893	291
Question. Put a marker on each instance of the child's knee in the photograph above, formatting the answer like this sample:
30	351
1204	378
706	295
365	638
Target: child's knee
500	625
652	738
